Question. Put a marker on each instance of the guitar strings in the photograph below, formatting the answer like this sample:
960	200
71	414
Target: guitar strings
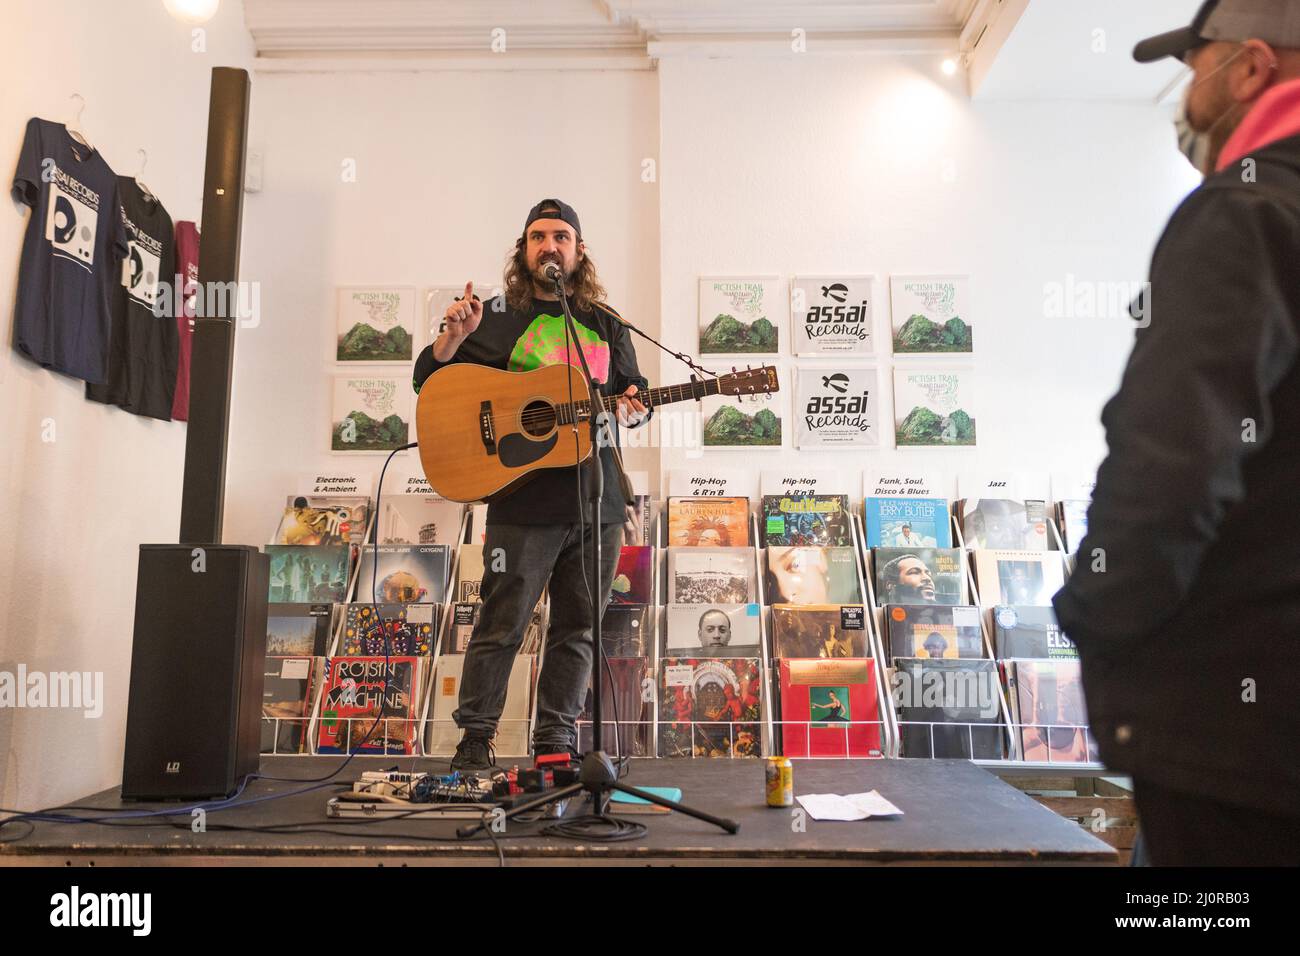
551	413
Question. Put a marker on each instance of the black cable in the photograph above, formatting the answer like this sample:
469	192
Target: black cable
596	827
52	815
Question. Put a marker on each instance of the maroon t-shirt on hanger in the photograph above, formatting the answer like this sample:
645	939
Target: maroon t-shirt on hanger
187	266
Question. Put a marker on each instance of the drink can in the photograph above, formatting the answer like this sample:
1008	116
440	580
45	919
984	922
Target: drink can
780	782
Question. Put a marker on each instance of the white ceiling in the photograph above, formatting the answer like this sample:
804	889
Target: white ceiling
1049	53
326	28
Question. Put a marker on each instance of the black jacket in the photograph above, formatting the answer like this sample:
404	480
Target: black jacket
1190	636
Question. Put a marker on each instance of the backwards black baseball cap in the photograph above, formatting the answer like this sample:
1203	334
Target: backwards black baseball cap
1276	22
553	209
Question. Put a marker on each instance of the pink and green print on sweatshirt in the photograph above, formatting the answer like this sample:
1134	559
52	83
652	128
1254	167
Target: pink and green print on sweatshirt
543	344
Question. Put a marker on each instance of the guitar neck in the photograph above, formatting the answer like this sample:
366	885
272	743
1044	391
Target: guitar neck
665	395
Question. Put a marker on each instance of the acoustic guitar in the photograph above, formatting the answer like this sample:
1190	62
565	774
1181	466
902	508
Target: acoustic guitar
483	432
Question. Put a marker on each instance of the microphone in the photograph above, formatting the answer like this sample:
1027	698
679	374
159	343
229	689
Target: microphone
552	272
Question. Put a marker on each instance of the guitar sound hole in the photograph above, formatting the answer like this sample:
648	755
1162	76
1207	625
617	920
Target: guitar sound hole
538	418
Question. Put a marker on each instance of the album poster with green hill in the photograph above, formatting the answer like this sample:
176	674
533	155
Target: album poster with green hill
370	413
375	325
741	315
934	407
930	314
748	421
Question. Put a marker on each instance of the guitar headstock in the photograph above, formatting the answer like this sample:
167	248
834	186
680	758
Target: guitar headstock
751	381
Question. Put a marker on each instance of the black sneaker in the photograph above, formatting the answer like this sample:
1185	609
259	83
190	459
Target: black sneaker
545	750
473	753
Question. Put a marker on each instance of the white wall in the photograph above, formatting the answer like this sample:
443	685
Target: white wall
803	164
765	165
447	166
76	509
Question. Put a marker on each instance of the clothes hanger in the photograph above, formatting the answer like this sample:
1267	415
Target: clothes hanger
139	181
74	128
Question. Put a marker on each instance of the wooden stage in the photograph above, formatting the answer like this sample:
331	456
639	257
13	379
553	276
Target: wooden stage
954	813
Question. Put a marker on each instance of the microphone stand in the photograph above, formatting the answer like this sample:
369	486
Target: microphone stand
597	775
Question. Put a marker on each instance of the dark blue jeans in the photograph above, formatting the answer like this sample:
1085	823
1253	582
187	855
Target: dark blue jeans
517	561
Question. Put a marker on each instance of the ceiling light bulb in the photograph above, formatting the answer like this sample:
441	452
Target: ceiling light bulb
192	11
949	66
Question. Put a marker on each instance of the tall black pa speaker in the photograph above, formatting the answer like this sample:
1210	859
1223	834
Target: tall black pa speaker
194	713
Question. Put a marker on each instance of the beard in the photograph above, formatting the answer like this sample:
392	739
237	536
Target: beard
906	594
542	281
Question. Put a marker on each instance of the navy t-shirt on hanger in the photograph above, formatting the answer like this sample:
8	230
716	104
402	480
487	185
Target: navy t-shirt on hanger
142	353
72	252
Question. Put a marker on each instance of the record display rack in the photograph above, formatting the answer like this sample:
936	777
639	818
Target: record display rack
1014	760
772	726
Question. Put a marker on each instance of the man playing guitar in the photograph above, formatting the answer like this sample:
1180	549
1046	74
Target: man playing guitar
533	532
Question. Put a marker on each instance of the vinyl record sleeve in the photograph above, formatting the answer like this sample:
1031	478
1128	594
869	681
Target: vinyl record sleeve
812	576
713	630
708	522
821	520
907	522
1003	523
410	630
633	578
919	576
711	576
948	708
323	519
1052	715
829	708
309	574
709	708
298	630
1032	632
934	631
368	706
831	631
1018	577
407	573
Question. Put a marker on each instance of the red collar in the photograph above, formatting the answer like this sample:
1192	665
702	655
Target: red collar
1275	116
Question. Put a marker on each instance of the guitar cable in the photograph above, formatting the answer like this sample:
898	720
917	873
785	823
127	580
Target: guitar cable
112	817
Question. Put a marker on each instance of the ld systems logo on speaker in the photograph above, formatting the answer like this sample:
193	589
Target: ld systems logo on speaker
72	909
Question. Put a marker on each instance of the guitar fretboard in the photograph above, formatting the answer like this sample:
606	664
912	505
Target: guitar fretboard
665	395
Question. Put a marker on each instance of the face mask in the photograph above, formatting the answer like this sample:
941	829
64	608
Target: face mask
1195	146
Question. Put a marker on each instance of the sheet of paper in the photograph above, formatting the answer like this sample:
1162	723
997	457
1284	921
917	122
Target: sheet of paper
855	806
874	805
829	806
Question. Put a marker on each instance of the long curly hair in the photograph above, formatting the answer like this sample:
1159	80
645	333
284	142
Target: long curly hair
583	286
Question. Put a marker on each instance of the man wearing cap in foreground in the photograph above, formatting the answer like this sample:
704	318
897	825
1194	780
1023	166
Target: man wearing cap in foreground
1191	563
533	533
